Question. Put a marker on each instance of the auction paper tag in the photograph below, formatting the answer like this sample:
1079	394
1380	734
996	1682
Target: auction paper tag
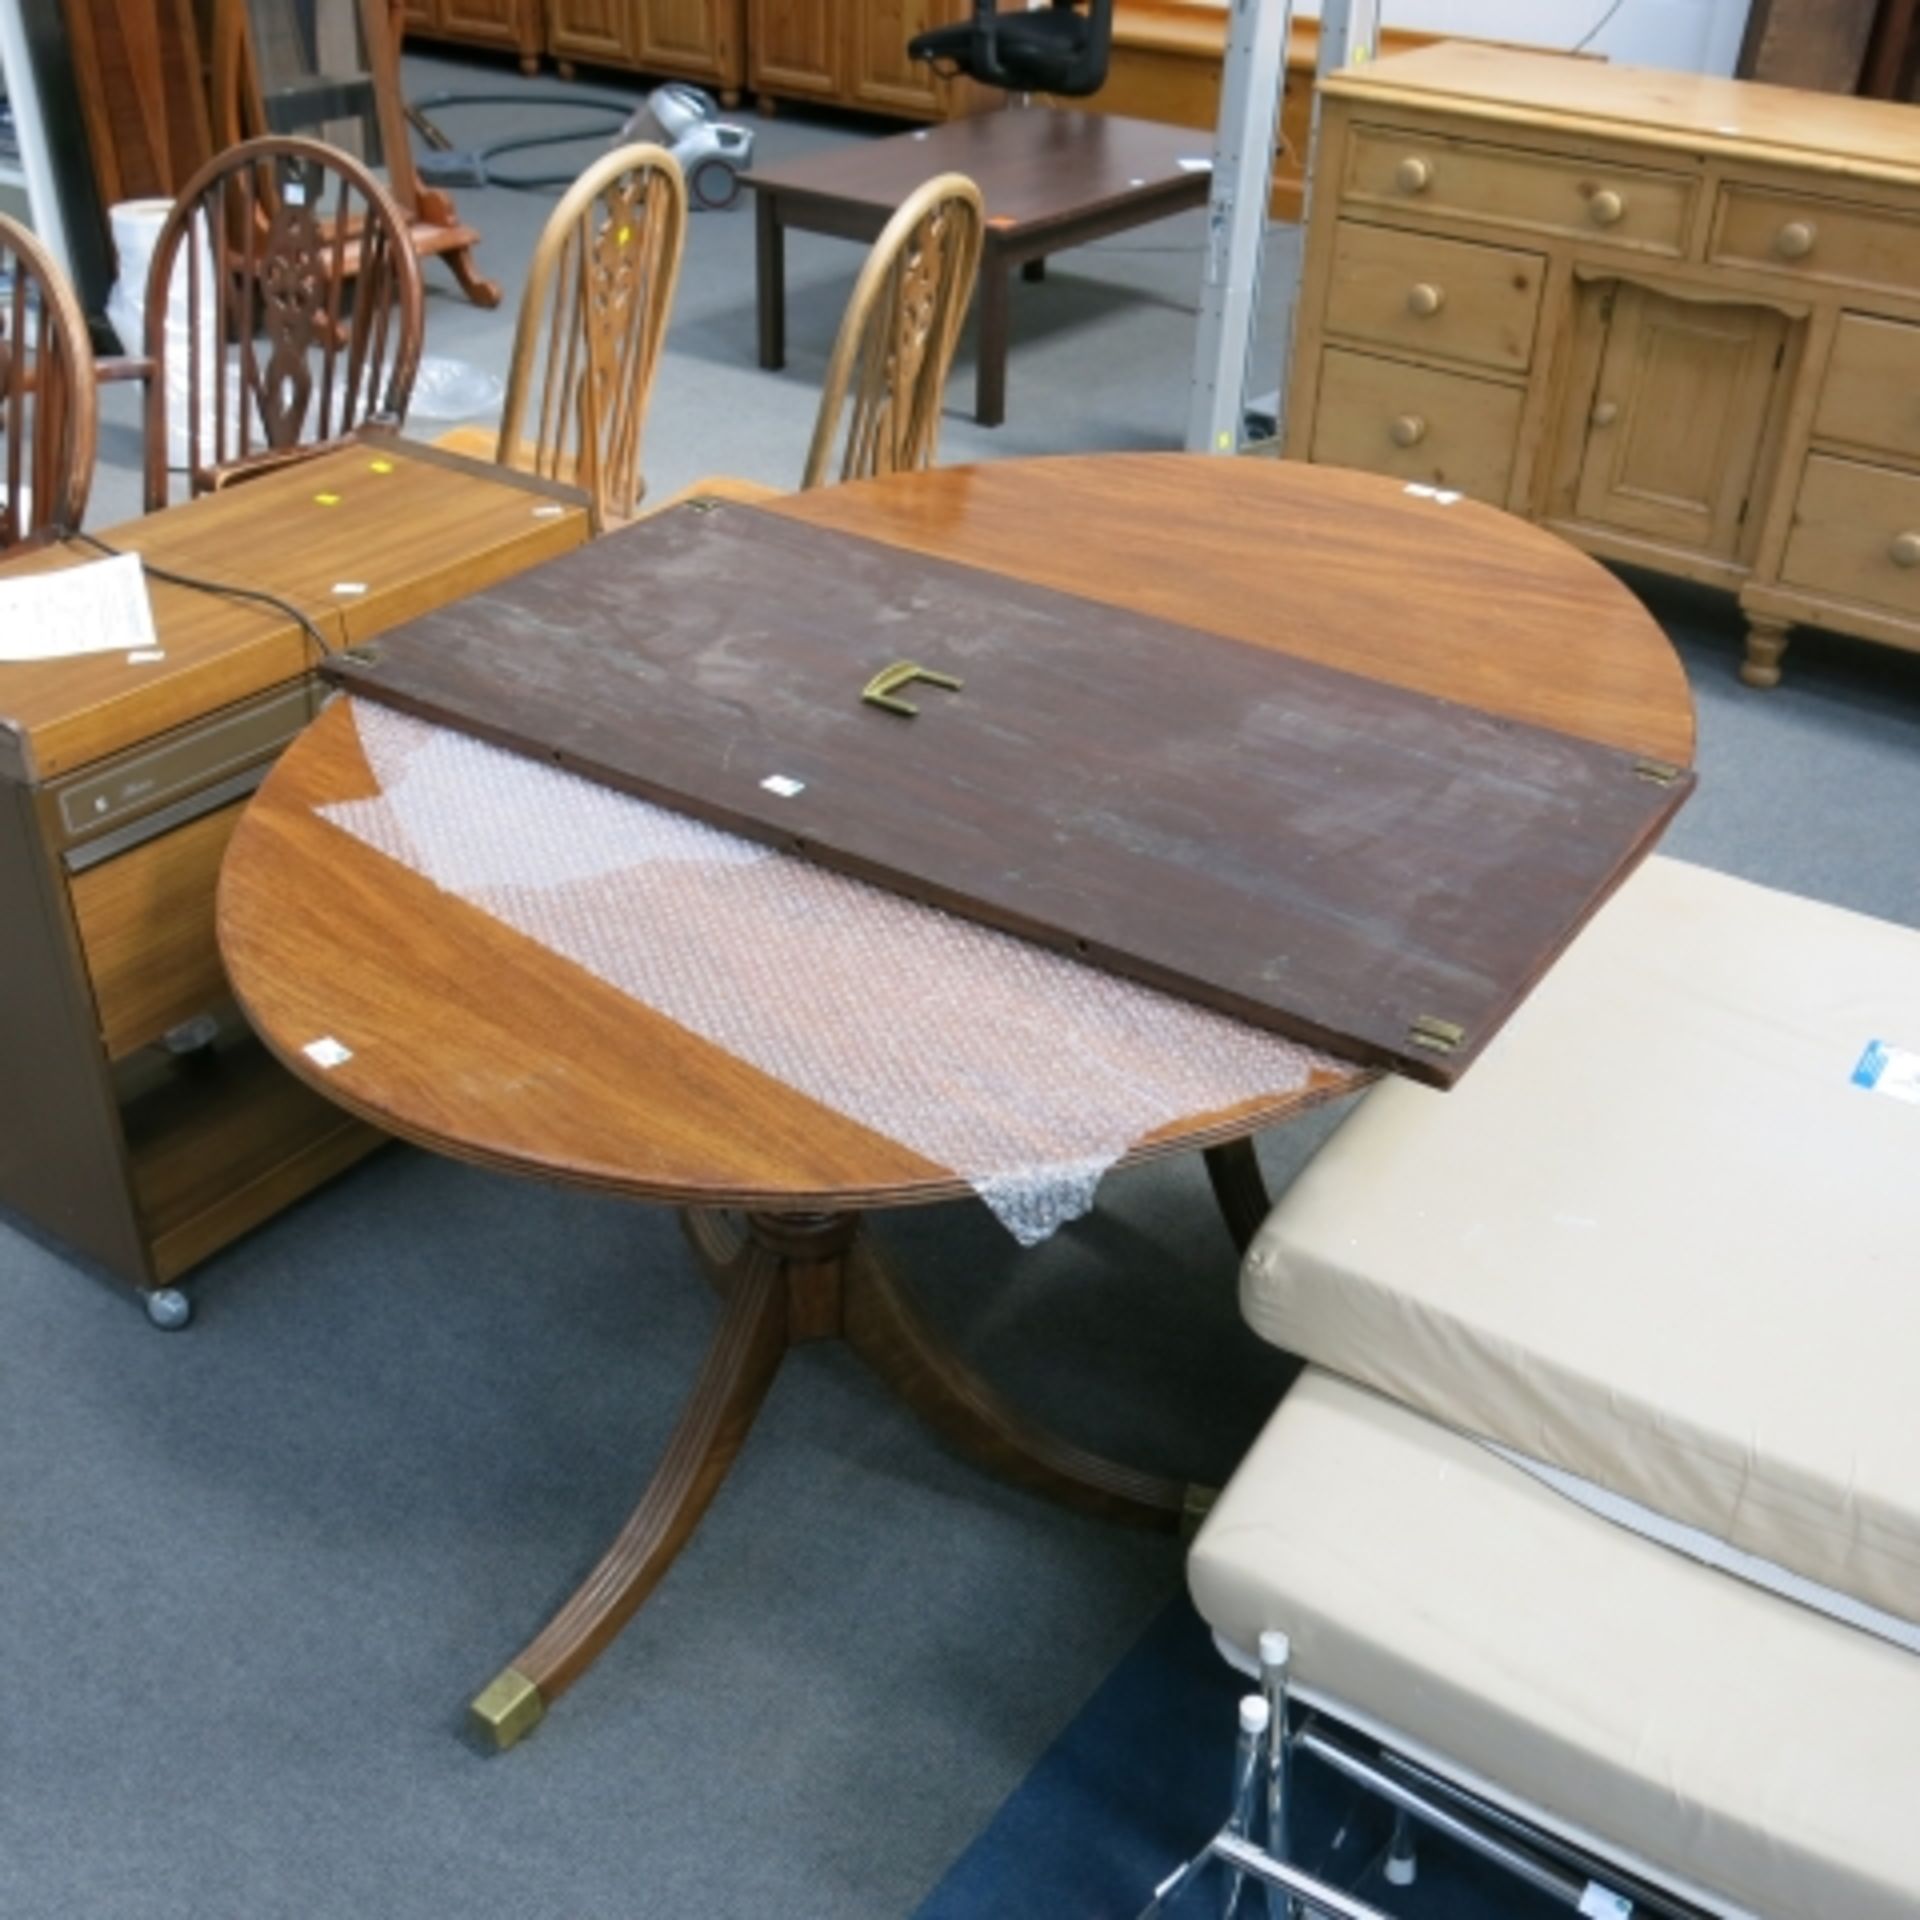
1891	1070
1602	1903
101	607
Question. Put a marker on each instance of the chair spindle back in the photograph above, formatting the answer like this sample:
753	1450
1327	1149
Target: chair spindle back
594	315
897	339
49	418
300	293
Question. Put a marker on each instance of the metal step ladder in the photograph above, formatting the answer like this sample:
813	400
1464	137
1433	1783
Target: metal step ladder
1243	151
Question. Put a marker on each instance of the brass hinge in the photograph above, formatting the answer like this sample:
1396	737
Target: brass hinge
1660	772
1436	1035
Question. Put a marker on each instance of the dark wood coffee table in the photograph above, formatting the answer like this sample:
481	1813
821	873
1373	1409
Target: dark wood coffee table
1050	178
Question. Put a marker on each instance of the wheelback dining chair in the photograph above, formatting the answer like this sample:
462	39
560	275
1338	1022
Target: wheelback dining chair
896	341
48	399
592	321
296	301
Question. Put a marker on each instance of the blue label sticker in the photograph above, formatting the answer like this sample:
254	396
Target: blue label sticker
1894	1071
1872	1064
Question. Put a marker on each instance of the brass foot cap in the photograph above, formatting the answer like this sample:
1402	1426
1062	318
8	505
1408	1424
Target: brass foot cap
508	1710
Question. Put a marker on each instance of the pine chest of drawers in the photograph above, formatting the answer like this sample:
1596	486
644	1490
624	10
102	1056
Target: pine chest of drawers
1674	318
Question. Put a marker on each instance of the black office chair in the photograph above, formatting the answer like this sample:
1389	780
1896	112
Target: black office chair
1054	49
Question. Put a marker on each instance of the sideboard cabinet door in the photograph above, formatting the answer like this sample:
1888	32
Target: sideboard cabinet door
794	47
591	30
879	74
1678	414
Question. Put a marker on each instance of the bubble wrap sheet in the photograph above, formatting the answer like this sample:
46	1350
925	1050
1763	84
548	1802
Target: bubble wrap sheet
1026	1073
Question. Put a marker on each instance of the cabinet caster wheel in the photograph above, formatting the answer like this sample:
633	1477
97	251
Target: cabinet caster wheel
169	1309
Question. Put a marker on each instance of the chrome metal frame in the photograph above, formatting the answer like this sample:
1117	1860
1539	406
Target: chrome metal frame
1585	1882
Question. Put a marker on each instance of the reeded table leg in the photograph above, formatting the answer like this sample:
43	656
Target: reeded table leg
888	1332
733	1381
785	1279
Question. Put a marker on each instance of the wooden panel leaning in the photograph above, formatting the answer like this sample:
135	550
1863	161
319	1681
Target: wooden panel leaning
48	402
600	289
896	341
282	364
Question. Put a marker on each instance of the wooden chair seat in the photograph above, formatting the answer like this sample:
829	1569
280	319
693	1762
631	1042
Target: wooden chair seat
483	443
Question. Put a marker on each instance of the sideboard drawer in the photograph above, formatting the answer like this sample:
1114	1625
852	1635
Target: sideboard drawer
146	928
1505	187
1856	533
1871	395
1446	429
1828	240
1453	298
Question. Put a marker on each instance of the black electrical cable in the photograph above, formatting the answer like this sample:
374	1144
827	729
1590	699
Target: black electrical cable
1594	32
199	585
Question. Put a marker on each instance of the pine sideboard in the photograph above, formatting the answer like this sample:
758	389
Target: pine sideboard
1672	317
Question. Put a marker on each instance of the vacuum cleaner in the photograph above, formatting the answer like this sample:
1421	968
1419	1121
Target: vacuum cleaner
713	153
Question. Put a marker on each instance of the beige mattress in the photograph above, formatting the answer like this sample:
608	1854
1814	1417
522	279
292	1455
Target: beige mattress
1731	1741
1658	1236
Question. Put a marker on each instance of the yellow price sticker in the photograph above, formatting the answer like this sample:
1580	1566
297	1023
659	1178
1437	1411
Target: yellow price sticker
326	499
626	234
380	466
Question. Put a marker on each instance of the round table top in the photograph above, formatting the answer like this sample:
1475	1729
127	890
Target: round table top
475	1041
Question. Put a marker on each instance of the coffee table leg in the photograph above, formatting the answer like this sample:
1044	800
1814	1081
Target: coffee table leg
884	1327
713	1423
771	279
1240	1188
990	379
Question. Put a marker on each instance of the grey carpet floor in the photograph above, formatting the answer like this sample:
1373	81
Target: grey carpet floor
250	1575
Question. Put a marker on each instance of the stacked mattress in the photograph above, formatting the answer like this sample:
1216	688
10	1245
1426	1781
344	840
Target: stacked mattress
1662	1239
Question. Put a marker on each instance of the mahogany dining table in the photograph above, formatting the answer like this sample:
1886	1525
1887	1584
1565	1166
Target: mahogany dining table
471	1040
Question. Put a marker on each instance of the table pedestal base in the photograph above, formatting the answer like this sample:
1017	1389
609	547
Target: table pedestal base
784	1279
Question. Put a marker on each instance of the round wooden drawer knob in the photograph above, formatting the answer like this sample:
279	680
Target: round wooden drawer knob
1425	299
1408	431
1905	551
1606	413
1794	241
1606	208
1413	175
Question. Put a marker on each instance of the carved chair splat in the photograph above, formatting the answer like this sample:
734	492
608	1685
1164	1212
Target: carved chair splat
592	321
287	358
896	340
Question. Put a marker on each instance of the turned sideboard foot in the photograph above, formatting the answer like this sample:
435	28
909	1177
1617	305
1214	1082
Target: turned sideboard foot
1766	642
